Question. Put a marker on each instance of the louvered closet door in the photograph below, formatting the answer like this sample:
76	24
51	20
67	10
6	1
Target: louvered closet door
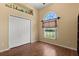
19	31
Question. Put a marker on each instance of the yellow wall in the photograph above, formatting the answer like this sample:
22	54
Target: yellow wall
67	24
5	12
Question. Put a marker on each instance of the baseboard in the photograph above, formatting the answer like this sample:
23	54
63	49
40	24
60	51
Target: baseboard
4	50
66	47
14	47
33	41
62	46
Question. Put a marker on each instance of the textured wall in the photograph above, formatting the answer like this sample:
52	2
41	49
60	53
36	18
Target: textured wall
67	24
5	12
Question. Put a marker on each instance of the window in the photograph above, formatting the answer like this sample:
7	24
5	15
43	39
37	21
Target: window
50	16
50	33
50	25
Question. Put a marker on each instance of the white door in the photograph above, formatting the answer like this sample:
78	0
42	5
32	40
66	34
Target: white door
19	31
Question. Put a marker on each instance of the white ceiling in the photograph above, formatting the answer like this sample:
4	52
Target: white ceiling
39	5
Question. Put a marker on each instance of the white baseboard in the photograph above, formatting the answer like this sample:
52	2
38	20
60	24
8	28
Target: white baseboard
66	47
49	43
4	50
33	41
63	46
9	47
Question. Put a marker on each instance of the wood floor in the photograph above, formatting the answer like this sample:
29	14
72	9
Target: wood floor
39	49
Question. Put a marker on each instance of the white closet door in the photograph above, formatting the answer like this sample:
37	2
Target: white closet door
19	31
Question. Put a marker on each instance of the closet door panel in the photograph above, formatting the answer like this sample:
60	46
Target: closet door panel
19	31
